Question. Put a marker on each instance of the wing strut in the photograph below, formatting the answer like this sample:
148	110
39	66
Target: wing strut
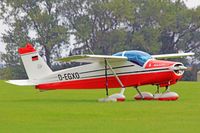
116	76
114	97
106	76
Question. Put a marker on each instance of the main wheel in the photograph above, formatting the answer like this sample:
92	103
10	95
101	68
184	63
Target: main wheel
145	96
168	96
114	98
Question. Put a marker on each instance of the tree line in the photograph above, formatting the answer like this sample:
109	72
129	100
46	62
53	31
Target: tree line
101	26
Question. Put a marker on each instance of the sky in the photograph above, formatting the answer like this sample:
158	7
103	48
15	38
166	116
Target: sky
2	29
192	3
189	3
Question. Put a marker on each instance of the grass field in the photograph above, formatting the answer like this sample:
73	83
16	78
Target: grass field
24	109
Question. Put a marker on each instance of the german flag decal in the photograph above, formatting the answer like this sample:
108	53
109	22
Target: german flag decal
34	58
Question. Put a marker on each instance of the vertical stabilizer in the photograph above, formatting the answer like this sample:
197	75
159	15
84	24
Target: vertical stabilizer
35	66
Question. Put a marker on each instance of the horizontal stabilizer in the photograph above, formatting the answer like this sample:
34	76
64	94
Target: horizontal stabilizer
177	55
21	82
92	58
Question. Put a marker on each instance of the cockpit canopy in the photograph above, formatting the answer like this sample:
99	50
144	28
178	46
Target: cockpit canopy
135	56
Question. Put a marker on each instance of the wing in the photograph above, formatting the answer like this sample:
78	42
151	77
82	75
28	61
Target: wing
178	55
93	58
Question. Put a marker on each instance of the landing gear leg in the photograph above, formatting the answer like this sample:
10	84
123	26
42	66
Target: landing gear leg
167	89
137	89
158	89
157	94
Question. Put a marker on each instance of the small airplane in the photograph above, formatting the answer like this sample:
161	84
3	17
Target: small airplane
124	69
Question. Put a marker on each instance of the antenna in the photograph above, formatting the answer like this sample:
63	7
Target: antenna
91	50
89	47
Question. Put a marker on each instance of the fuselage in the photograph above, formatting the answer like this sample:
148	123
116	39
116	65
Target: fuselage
133	72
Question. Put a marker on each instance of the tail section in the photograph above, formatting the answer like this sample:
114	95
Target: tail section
35	66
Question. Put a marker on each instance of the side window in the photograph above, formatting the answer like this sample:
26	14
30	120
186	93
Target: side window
137	57
141	59
133	58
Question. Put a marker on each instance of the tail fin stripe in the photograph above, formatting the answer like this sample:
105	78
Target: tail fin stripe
28	49
35	66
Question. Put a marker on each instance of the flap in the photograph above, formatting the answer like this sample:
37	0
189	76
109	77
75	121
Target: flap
93	58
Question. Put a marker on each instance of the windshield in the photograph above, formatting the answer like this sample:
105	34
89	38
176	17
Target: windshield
135	56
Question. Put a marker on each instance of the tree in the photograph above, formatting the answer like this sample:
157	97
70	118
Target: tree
37	22
39	17
96	24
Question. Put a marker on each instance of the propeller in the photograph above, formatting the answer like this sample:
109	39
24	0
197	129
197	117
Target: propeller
176	68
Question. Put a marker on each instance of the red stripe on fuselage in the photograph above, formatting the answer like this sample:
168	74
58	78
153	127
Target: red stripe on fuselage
163	77
158	64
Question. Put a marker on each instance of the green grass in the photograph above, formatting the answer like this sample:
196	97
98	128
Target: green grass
24	109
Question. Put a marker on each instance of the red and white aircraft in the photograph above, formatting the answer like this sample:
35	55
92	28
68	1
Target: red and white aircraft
124	69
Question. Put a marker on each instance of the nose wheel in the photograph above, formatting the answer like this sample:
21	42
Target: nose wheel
167	95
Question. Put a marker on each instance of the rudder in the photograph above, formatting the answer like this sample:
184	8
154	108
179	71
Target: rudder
35	66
